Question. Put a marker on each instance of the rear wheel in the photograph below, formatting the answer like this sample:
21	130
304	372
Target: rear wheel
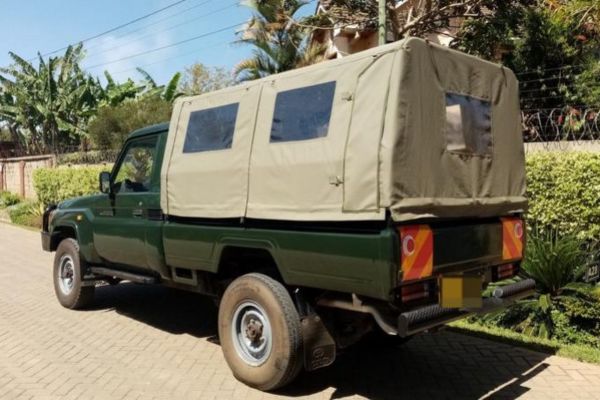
68	277
260	333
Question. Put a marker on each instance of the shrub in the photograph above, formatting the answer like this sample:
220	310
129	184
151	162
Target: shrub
562	308
27	213
554	261
8	199
54	185
564	192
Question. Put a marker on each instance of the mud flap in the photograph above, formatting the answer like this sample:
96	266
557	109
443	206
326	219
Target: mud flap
319	346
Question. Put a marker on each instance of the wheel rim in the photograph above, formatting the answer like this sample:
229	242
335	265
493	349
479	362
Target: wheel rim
251	333
66	274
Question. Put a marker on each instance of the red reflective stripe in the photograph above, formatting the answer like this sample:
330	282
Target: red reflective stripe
509	242
512	246
420	263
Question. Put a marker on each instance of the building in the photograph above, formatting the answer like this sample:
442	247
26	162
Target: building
355	29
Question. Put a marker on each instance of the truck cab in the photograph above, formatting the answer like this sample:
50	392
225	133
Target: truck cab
317	206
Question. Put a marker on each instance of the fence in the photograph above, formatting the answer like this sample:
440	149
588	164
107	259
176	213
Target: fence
16	174
561	124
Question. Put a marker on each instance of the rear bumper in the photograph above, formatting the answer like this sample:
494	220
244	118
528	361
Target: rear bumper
429	317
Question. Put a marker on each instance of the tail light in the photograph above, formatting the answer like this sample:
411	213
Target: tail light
416	291
504	272
416	247
513	238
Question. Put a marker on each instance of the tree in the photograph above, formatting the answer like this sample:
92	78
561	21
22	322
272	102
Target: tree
198	79
115	93
47	108
418	18
113	124
280	43
554	57
584	13
168	92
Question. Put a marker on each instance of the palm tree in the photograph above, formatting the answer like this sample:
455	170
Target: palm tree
280	44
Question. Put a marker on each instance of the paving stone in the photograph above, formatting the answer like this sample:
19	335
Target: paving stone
144	342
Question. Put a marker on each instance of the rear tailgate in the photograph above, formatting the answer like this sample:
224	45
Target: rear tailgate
454	247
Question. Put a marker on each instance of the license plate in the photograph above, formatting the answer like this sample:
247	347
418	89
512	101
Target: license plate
461	292
593	273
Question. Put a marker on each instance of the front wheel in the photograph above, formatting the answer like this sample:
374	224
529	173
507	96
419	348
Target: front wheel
68	277
260	332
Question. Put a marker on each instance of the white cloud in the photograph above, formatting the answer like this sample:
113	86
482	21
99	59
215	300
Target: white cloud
103	53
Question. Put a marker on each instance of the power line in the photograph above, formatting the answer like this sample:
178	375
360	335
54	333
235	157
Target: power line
128	33
118	27
539	71
166	46
165	30
551	88
550	79
173	58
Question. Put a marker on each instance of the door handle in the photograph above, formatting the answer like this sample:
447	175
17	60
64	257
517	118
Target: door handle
138	213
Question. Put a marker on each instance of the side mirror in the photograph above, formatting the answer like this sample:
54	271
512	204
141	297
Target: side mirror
105	182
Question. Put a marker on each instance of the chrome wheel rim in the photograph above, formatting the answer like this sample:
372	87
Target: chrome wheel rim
66	274
251	333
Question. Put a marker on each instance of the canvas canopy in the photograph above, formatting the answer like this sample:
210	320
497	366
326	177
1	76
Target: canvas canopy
411	128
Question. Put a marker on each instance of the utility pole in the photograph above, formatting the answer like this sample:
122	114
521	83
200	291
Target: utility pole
382	22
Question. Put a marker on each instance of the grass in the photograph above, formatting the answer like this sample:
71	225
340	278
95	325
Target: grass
572	351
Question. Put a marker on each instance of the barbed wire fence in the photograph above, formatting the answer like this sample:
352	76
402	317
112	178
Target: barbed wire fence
551	109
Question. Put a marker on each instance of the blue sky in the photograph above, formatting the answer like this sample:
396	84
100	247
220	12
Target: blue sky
47	25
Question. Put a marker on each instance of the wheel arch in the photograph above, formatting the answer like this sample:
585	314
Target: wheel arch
62	232
237	259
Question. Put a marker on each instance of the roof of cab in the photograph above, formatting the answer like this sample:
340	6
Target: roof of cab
149	130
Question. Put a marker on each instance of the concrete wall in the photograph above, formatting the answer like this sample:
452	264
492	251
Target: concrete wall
16	174
593	146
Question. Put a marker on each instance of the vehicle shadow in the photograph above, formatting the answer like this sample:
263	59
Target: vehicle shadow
174	311
443	365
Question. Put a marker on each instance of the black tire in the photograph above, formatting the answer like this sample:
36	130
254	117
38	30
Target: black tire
73	295
244	297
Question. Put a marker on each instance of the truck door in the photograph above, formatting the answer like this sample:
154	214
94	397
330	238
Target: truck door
123	218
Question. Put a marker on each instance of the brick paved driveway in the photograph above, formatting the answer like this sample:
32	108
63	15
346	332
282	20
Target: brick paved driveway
151	342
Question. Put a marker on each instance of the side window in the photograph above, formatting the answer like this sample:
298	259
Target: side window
134	174
468	125
302	114
211	129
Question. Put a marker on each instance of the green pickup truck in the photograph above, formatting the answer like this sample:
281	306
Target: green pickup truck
378	194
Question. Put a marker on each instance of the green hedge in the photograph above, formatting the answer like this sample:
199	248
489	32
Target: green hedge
53	185
564	192
563	189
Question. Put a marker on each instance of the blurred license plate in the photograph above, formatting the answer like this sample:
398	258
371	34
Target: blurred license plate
461	292
593	273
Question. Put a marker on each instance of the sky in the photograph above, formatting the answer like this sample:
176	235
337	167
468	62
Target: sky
33	26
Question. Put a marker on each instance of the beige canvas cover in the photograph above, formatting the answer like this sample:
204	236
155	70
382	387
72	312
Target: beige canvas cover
415	129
